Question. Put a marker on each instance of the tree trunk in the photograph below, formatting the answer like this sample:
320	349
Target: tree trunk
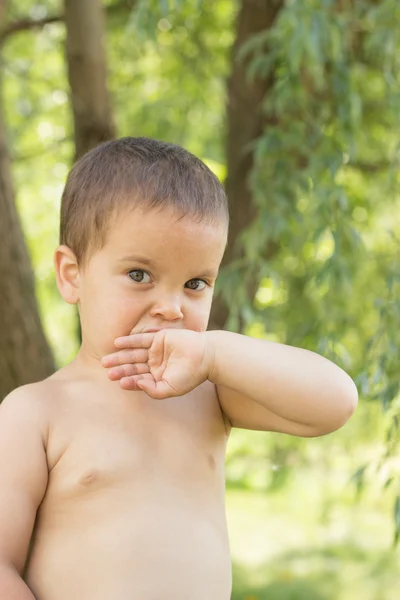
24	353
25	356
87	72
246	123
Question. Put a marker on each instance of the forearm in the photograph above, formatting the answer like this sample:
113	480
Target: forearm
12	586
293	383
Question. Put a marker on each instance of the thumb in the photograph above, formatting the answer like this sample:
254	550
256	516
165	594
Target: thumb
157	390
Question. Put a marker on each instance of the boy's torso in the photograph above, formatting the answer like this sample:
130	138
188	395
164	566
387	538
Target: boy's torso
134	507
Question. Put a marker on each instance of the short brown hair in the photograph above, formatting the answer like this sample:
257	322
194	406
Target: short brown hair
131	172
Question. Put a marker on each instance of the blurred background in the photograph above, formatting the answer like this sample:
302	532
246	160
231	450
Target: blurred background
295	105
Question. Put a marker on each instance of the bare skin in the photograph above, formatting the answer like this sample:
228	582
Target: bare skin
134	505
109	493
112	470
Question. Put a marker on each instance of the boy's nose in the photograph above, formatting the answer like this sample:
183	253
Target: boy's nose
169	308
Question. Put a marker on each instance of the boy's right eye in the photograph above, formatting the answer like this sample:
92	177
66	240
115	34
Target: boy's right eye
139	276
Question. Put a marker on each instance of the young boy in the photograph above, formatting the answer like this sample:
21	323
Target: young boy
112	469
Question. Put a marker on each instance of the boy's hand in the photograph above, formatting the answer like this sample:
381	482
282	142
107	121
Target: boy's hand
163	364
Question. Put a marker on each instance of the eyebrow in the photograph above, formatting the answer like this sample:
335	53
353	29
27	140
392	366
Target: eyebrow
140	259
212	273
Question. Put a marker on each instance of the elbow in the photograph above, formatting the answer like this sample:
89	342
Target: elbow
343	404
349	398
352	397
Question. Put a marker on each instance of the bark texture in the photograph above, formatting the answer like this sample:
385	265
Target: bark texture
87	72
25	356
245	123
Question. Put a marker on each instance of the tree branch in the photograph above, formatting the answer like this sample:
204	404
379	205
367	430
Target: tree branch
31	24
26	25
367	167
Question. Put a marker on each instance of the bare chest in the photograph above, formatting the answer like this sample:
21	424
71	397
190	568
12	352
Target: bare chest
135	447
135	503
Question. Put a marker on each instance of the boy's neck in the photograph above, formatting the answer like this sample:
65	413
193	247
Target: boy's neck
89	362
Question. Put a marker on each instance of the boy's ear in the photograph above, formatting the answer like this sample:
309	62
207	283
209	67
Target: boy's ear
67	274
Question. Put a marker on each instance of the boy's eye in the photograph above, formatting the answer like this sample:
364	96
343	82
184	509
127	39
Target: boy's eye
139	276
196	284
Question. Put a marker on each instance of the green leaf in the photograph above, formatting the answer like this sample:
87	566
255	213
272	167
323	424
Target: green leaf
396	514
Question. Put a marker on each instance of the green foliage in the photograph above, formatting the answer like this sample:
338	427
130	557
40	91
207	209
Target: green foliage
167	71
325	179
397	519
325	184
41	145
326	187
284	546
172	86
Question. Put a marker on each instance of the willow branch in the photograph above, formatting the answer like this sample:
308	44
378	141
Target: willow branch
32	24
26	25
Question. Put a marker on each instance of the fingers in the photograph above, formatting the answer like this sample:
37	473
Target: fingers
159	390
136	340
131	382
128	370
124	357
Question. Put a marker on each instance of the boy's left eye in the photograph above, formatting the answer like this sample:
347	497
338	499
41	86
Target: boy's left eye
196	284
139	276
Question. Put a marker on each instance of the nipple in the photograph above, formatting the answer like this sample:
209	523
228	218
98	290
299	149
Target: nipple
89	477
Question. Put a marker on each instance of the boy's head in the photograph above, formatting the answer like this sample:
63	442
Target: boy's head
143	230
119	176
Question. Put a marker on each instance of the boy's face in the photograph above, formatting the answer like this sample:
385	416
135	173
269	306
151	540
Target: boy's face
155	270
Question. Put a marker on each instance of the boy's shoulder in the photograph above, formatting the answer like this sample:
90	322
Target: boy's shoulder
31	401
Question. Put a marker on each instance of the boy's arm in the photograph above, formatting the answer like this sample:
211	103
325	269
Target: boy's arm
261	385
12	586
23	481
273	387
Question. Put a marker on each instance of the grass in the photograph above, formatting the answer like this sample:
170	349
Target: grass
301	544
